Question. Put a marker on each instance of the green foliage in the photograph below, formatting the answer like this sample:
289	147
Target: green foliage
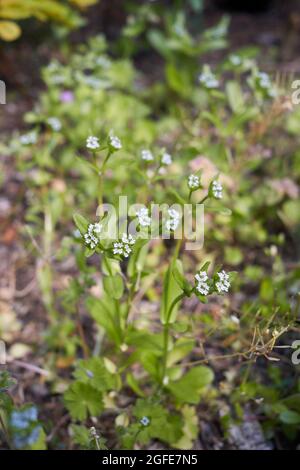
141	320
188	388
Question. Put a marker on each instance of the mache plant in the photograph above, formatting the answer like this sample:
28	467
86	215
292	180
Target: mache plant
166	389
226	124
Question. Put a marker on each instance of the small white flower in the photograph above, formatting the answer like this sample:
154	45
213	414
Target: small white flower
202	286
264	80
193	182
173	214
166	380
115	142
223	284
123	248
92	142
217	190
128	239
145	421
91	237
97	227
235	319
235	59
54	123
147	155
166	159
208	79
118	248
173	222
27	139
144	219
201	276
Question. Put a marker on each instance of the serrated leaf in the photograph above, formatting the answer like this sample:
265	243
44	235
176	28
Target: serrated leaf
188	389
94	372
82	400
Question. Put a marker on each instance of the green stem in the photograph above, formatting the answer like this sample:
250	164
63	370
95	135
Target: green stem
167	335
204	199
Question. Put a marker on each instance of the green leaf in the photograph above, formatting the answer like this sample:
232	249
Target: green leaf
190	428
114	286
289	417
178	79
180	350
138	258
163	425
134	385
93	372
171	290
110	266
81	223
104	312
188	389
82	399
179	277
235	96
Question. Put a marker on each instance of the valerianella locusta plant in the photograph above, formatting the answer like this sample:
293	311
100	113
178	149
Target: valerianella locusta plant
123	262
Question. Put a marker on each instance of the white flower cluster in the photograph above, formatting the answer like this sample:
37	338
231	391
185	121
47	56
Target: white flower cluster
208	79
115	142
147	155
143	216
193	182
223	284
166	159
54	123
173	222
91	237
123	247
92	142
202	286
27	139
217	190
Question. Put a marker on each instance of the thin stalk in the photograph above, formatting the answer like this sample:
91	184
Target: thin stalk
166	334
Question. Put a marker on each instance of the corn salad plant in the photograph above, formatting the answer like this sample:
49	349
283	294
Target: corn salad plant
141	311
122	263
